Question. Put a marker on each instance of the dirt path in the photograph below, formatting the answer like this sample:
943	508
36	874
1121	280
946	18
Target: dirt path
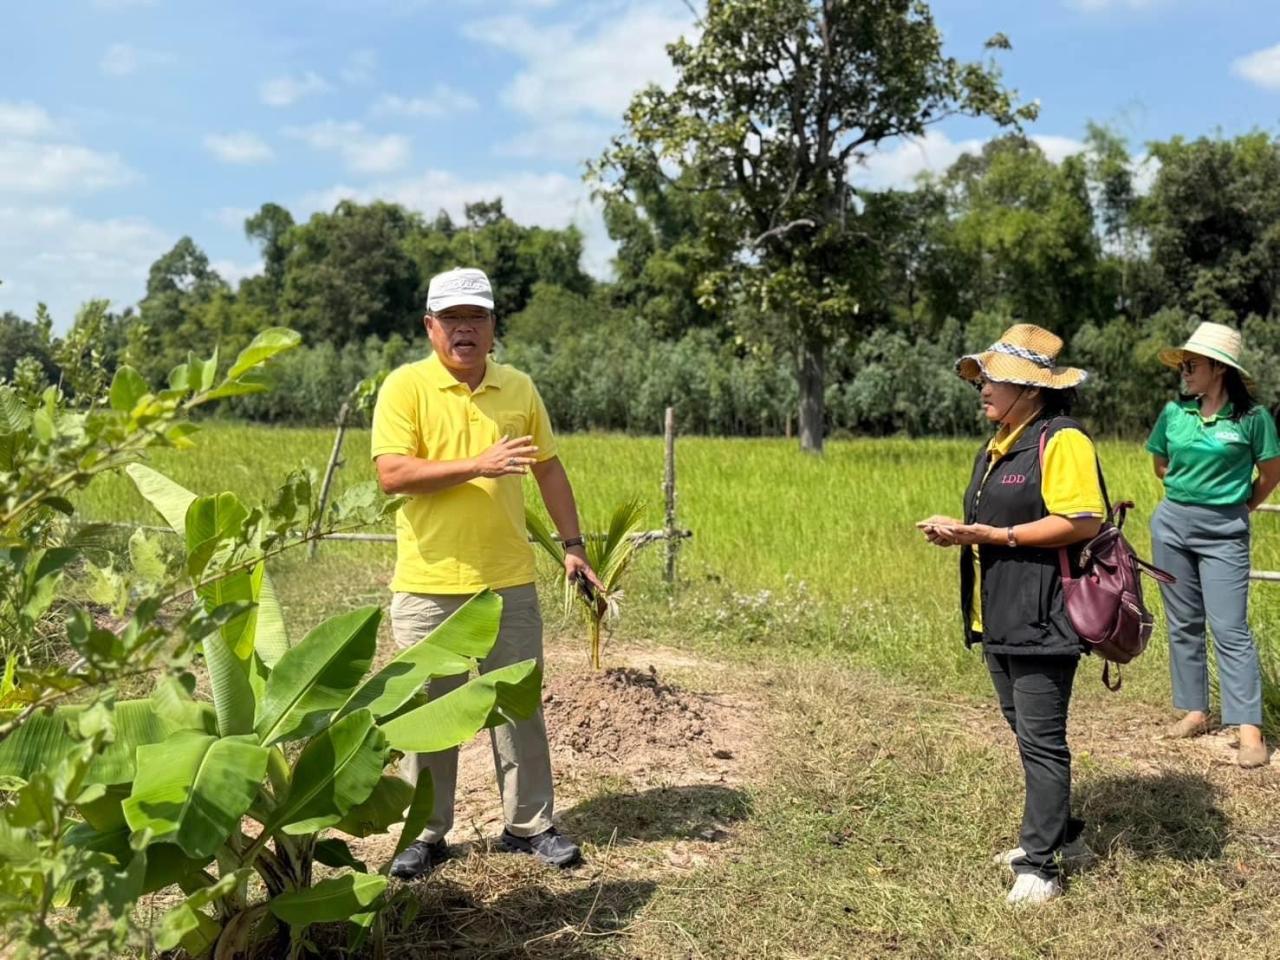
652	758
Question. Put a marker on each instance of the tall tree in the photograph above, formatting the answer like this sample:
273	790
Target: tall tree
772	106
269	227
347	274
169	325
1019	238
1213	226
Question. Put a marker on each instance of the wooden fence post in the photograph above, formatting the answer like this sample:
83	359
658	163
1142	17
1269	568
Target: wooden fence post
334	462
669	495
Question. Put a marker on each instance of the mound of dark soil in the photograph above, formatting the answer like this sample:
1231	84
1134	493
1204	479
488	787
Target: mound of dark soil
622	712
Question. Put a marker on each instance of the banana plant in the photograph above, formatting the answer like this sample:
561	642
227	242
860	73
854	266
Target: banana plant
237	799
609	557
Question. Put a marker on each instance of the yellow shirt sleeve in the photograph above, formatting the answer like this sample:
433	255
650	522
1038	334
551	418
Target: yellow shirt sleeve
1069	481
540	428
395	426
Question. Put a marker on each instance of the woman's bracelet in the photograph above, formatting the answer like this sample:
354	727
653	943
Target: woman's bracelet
1013	539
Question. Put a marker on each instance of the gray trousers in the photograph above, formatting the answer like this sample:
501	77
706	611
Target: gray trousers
521	756
1207	549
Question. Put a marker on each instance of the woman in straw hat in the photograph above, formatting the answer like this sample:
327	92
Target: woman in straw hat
1017	515
1205	450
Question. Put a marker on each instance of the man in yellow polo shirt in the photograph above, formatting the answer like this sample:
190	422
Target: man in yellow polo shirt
455	433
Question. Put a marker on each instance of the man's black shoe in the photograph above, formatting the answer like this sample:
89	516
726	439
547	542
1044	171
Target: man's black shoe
418	859
548	846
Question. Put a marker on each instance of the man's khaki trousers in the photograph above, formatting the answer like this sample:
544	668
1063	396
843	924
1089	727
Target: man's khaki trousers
520	753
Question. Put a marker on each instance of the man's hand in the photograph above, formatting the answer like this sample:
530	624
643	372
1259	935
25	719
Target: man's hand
507	458
575	565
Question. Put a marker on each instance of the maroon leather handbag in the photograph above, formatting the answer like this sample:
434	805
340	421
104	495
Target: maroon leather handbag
1104	602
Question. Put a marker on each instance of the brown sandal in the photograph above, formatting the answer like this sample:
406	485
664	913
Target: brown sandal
1252	756
1185	728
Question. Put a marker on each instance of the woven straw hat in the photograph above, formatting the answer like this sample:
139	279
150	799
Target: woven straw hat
1025	354
1213	340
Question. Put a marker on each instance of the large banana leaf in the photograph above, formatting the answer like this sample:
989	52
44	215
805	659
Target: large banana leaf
106	812
233	698
508	693
44	739
211	523
316	677
270	638
166	864
333	852
472	624
338	768
383	809
476	640
193	789
178	710
329	900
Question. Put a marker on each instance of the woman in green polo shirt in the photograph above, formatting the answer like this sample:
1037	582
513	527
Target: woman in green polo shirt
1205	450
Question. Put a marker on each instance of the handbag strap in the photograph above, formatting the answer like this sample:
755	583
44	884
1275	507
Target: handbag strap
1064	562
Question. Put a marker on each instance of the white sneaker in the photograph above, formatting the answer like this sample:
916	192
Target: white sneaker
1074	853
1006	859
1032	889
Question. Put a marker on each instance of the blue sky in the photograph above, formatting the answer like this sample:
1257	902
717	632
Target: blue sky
125	124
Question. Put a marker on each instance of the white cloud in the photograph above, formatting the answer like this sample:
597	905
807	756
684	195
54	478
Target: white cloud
230	217
1058	148
360	68
571	140
233	272
1261	68
23	120
28	167
287	90
896	165
54	255
361	151
548	200
899	162
586	67
122	59
241	148
442	101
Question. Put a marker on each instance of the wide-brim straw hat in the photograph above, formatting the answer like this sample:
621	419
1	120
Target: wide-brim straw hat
1213	340
1025	354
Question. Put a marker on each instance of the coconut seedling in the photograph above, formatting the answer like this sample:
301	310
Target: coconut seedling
609	556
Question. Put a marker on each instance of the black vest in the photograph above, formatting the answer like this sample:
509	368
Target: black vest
1023	611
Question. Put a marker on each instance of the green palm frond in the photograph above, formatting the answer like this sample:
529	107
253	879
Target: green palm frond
609	557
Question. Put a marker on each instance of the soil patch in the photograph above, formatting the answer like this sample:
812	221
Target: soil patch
621	711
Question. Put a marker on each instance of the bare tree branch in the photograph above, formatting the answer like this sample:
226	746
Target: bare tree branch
783	230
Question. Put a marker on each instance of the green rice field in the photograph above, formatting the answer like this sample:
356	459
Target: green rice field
788	549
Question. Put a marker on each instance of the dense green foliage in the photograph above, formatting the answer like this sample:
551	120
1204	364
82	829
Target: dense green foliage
757	286
1004	235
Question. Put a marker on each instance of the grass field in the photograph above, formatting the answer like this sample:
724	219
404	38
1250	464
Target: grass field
885	780
788	550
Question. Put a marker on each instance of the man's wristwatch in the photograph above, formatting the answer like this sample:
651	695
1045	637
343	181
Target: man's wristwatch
571	542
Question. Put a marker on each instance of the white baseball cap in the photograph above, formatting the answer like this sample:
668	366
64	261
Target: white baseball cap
460	287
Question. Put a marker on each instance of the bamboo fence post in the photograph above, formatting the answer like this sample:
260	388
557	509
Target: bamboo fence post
669	495
334	462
